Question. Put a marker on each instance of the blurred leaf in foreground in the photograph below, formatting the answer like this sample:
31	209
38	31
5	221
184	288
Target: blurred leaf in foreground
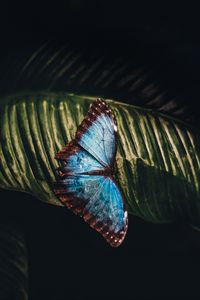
13	263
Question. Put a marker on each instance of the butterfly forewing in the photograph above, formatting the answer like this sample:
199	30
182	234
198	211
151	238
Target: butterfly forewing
77	160
97	133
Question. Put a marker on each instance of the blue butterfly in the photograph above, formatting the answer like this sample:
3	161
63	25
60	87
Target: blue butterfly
86	184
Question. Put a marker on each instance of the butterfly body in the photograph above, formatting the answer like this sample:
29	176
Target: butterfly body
86	184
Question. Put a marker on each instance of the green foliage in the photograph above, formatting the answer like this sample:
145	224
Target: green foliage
158	157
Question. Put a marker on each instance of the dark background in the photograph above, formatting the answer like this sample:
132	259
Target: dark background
67	259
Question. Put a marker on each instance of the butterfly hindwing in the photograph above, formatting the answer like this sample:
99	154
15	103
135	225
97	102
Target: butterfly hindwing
98	200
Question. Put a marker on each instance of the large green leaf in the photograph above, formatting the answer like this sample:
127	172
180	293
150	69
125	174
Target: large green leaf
158	157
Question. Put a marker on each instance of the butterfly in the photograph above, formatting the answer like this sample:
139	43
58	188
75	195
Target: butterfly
86	183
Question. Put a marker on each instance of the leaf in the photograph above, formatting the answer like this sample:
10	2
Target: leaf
158	157
13	263
128	73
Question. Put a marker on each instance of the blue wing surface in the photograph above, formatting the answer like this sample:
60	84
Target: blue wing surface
99	201
77	160
97	133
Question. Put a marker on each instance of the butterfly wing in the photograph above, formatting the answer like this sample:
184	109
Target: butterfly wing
77	160
97	133
98	200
